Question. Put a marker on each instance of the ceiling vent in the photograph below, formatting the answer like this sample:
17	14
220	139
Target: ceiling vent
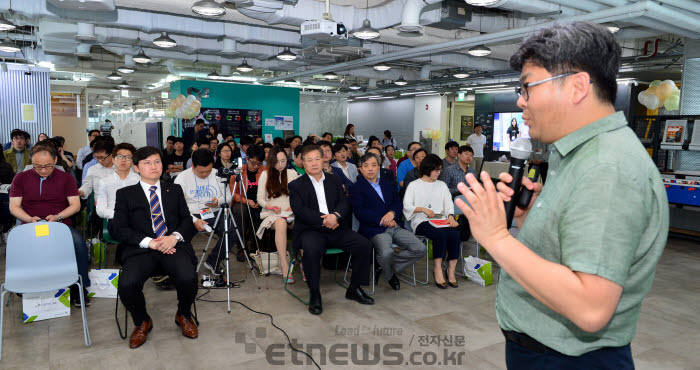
86	5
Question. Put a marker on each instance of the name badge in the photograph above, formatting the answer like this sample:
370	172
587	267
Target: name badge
206	213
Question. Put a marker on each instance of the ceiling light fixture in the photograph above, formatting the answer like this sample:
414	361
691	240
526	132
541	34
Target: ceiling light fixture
208	8
286	55
213	76
114	76
8	46
613	28
141	57
366	32
114	89
291	81
400	81
164	41
479	51
381	67
460	74
6	25
244	67
123	85
354	87
330	76
125	69
481	2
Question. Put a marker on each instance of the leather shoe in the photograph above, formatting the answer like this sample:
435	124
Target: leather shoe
359	295
140	333
189	328
394	282
315	305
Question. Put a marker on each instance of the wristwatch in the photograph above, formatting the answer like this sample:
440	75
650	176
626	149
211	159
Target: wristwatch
178	237
60	218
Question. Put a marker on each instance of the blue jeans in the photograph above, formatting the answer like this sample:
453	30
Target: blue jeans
81	256
521	358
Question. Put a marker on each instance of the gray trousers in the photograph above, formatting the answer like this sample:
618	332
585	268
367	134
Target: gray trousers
410	250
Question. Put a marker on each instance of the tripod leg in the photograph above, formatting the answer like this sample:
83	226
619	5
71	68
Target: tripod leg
245	251
206	247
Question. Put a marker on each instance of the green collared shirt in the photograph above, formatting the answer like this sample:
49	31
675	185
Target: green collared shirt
603	211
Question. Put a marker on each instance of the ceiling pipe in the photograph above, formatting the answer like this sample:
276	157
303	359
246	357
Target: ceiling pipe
614	14
411	13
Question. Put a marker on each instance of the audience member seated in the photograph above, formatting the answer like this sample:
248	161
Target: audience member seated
349	132
453	175
414	174
327	151
224	156
250	175
451	149
246	142
202	143
17	155
102	152
176	160
390	162
169	146
90	159
86	150
273	197
298	165
154	228
45	194
405	167
377	206
320	206
204	193
373	142
295	142
341	168
327	136
213	145
122	176
355	155
429	199
383	172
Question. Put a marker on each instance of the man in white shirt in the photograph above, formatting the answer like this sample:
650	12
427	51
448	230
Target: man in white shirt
102	152
204	193
478	142
84	151
123	175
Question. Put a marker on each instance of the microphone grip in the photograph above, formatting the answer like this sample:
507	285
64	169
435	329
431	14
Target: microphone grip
526	195
517	169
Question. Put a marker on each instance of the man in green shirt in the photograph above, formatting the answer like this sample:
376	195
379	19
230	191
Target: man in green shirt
572	283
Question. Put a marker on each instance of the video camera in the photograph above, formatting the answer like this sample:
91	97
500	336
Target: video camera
235	169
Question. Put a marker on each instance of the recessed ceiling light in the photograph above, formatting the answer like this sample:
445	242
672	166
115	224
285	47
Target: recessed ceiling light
123	85
8	46
286	55
125	69
244	67
400	81
164	41
209	8
6	25
479	51
460	74
481	2
381	67
330	76
141	57
114	76
613	28
114	89
354	87
366	32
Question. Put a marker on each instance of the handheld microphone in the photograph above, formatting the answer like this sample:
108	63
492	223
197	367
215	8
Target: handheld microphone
520	151
533	175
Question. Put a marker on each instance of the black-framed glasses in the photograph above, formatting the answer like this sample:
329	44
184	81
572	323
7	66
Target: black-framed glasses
523	90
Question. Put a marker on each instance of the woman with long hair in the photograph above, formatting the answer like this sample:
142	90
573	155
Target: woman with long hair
224	156
349	132
273	197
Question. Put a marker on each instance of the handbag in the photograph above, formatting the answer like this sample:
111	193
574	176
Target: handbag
268	263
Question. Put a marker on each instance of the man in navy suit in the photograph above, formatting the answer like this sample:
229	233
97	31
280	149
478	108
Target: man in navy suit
320	209
377	206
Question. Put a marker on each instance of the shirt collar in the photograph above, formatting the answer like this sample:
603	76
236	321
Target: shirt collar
147	187
323	177
571	141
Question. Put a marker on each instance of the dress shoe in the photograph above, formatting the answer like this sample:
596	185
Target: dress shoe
359	295
454	285
140	333
441	286
189	328
315	305
394	282
240	255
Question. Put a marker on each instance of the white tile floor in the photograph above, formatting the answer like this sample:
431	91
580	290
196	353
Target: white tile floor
668	334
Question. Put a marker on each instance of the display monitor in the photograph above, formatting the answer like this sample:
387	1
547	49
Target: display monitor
507	127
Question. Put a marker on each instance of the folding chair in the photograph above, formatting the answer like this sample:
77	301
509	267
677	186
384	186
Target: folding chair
347	267
293	258
41	258
413	281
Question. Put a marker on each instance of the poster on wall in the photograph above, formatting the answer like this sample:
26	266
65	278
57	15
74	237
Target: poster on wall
466	127
236	122
28	113
284	123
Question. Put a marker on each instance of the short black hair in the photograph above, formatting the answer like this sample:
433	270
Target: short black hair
178	140
267	145
408	147
102	139
418	151
451	144
297	137
170	138
202	141
366	157
202	157
338	147
350	141
477	125
388	146
145	152
124	146
60	140
465	148
17	132
326	133
198	121
228	136
310	148
298	150
323	143
246	140
44	146
106	146
108	120
430	163
574	47
278	141
93	131
213	138
387	133
256	152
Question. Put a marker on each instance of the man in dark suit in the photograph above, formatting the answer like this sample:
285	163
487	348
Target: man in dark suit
154	227
320	207
377	206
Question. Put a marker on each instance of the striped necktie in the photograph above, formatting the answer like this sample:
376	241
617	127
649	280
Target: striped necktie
157	214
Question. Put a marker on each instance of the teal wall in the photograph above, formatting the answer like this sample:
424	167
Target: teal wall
271	100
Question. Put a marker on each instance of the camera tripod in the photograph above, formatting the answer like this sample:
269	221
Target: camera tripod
226	211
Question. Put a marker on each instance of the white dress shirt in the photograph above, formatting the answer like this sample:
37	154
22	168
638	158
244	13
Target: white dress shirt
82	153
320	193
106	192
147	190
94	174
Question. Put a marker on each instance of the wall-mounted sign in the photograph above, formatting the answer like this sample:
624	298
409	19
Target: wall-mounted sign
28	113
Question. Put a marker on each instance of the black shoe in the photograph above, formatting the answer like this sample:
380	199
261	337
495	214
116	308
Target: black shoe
240	256
453	285
359	295
75	297
315	305
394	282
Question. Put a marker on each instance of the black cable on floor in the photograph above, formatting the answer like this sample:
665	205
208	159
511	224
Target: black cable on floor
272	321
